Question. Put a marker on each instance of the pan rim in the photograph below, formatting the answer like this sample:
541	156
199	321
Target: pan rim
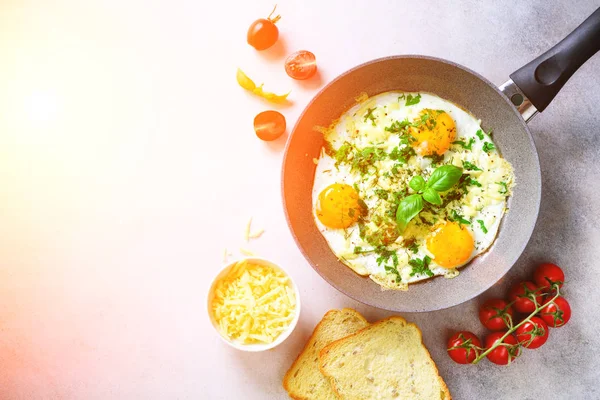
537	201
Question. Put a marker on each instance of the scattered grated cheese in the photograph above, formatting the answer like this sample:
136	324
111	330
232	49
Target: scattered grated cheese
257	234
247	231
247	252
253	303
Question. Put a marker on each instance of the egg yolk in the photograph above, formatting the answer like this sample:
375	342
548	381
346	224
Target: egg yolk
451	244
435	134
339	206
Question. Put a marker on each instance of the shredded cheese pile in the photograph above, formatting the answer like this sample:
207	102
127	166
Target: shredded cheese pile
254	303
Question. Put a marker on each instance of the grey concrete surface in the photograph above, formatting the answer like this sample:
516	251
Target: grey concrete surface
567	233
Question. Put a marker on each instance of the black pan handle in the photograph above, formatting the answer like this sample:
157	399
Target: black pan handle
541	79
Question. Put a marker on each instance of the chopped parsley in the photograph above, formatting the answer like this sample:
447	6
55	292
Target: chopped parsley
504	189
488	146
435	159
411	101
456	217
398	126
342	153
381	193
479	134
470	166
472	182
414	247
420	267
466	146
482	226
369	115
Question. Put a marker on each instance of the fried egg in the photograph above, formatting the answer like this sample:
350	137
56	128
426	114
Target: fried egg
371	154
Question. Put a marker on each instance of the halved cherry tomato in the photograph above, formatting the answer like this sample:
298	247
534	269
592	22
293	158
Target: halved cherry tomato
496	314
556	313
464	347
263	33
269	125
547	275
506	352
301	65
523	294
533	333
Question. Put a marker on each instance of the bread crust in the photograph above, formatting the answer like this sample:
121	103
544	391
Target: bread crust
288	374
326	349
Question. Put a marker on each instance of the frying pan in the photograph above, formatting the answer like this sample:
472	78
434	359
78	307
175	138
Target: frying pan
505	110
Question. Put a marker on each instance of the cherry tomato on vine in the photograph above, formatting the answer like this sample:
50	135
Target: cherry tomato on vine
533	333
547	275
263	33
522	294
505	352
495	314
464	347
556	313
269	125
301	65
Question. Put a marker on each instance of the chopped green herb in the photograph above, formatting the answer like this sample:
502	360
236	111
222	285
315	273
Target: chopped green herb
355	186
470	166
394	271
472	182
482	226
342	153
414	247
487	147
398	126
504	189
456	217
411	101
420	267
369	115
382	194
466	146
479	134
401	97
435	159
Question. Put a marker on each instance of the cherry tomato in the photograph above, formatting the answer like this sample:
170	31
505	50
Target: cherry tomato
263	33
495	314
301	65
522	294
547	275
533	333
269	125
556	313
505	352
464	347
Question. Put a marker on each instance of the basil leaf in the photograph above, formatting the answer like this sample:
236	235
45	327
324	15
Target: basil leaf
432	196
417	183
408	208
444	177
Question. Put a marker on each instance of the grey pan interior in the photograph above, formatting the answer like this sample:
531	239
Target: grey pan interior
452	82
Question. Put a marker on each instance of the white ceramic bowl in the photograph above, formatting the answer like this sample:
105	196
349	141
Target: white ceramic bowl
253	347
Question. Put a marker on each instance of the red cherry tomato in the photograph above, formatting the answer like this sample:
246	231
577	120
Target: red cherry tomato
269	125
547	275
263	33
464	347
533	333
495	314
556	313
301	65
523	294
506	352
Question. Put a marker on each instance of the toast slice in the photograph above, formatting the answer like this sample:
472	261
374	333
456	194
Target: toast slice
386	360
304	381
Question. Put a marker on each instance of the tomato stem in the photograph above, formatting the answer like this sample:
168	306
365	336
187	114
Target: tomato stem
500	342
276	18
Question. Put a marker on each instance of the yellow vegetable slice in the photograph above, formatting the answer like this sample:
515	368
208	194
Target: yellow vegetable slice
248	84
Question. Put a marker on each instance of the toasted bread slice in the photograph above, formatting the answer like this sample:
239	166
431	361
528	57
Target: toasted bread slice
304	381
386	360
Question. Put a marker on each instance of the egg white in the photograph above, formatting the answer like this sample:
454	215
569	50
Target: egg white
486	203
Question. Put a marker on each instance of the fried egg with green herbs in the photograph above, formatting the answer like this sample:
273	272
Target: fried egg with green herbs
409	186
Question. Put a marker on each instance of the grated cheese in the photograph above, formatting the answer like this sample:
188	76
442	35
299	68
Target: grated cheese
254	303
